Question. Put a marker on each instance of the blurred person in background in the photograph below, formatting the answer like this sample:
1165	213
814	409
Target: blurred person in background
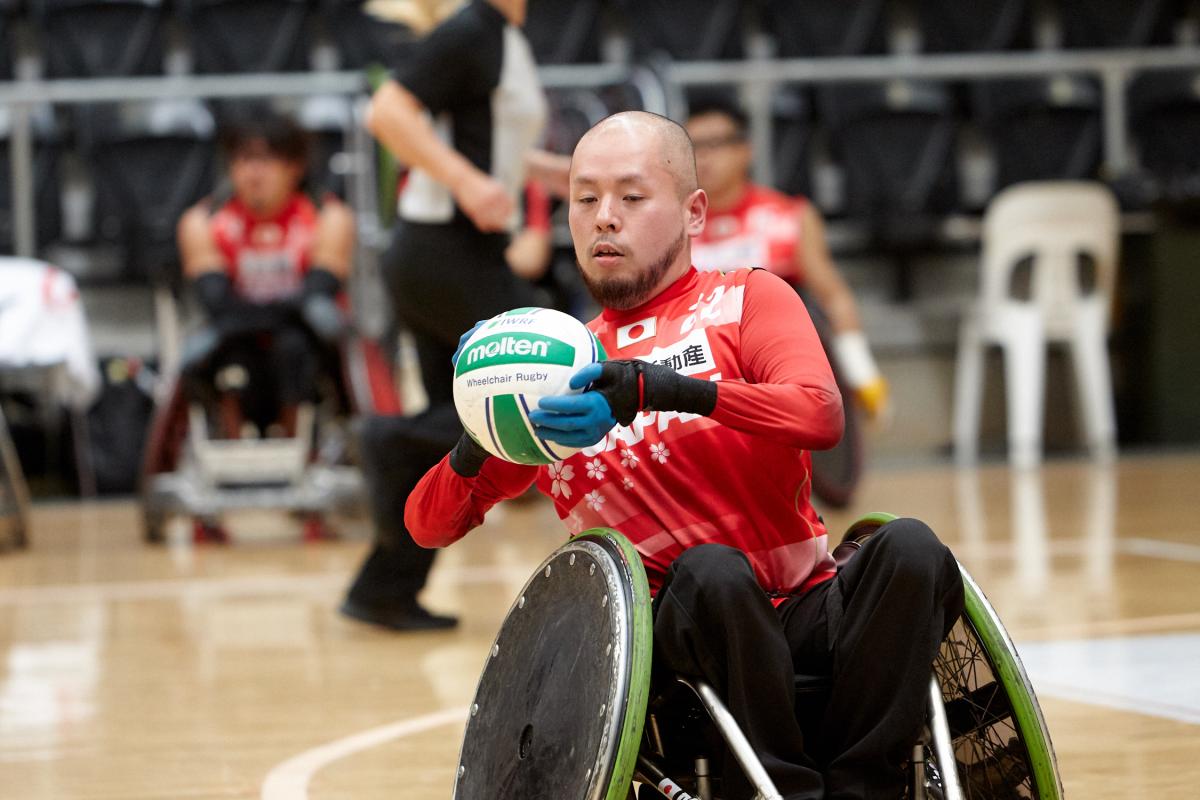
753	225
462	112
266	264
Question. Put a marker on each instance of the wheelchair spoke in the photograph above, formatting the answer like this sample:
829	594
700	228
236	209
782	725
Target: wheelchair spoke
990	754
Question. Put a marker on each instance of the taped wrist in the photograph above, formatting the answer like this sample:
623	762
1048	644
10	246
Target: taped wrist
631	386
321	281
214	291
667	390
467	457
853	355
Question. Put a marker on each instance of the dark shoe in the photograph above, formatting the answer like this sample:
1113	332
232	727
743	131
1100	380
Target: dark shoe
406	618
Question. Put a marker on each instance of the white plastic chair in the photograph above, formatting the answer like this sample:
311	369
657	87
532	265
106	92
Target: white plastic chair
1052	222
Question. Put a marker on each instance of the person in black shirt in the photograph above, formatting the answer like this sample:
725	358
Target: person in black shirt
462	112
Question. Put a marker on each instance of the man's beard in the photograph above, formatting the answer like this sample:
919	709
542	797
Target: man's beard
624	293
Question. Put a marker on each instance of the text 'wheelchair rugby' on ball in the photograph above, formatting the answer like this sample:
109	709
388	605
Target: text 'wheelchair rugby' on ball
511	362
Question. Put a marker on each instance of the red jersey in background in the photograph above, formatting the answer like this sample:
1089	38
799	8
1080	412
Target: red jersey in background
761	230
266	258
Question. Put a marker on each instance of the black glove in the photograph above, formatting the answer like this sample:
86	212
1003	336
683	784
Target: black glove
467	457
318	305
214	291
632	386
233	316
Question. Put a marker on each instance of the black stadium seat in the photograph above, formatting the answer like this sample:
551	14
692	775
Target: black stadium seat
793	127
1165	123
683	32
1116	23
363	40
896	142
150	162
93	38
1041	129
951	26
230	36
805	28
7	44
564	33
47	185
327	118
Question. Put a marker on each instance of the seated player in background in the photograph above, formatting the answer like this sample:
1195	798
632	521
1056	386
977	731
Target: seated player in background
753	225
266	266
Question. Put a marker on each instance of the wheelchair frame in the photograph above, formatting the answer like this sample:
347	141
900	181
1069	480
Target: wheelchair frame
186	472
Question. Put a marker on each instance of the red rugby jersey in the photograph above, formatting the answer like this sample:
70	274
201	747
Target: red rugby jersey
669	481
762	229
266	258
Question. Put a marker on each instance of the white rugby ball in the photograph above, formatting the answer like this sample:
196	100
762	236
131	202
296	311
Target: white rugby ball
512	361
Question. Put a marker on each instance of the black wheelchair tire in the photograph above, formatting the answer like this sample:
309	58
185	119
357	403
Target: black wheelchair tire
517	705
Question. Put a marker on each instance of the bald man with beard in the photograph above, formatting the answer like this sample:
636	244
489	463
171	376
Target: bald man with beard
696	437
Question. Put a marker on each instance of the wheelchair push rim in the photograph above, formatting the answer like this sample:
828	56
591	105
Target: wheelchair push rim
562	699
1001	743
987	694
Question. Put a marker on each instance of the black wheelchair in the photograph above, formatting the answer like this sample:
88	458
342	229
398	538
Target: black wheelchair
565	706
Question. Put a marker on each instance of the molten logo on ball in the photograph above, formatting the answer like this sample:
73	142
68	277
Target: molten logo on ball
510	363
507	348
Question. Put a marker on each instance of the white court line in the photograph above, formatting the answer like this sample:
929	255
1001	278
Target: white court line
289	780
1114	700
1157	548
244	585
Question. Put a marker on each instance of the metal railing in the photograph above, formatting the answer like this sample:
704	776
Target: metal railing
661	84
22	97
760	77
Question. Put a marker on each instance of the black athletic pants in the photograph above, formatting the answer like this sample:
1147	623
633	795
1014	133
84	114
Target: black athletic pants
875	629
441	279
282	360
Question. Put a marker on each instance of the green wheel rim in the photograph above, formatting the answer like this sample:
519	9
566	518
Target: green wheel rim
868	523
1011	673
637	695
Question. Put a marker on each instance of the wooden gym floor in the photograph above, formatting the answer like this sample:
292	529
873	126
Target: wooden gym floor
132	671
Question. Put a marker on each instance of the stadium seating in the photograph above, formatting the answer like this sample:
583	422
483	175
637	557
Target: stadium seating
361	39
93	38
7	44
564	33
674	28
247	35
327	118
896	143
793	128
1041	129
948	26
1089	24
150	162
47	185
1165	122
805	28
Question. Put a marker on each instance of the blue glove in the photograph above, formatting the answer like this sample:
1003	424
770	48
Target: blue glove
617	392
462	341
574	420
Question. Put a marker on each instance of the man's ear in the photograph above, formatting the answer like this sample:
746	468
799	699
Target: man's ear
697	212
